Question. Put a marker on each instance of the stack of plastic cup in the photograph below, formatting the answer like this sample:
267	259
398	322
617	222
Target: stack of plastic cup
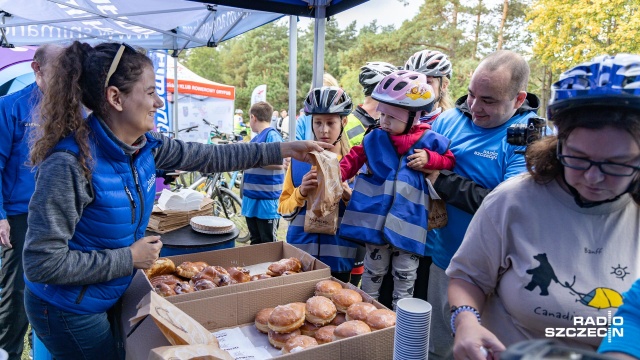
412	329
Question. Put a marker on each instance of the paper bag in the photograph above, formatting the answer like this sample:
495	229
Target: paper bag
323	203
323	224
438	217
178	327
189	352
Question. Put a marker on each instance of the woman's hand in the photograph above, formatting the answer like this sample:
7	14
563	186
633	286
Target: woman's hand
145	251
346	191
5	230
309	182
300	150
473	341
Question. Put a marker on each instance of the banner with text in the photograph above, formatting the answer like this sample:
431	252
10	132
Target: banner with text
159	58
259	94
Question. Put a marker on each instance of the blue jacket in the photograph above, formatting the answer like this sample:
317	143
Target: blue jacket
338	253
18	182
389	203
119	183
259	183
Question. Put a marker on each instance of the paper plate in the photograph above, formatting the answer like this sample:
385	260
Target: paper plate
214	232
211	223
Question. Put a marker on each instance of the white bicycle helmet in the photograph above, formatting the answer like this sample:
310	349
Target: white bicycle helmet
372	73
239	111
430	63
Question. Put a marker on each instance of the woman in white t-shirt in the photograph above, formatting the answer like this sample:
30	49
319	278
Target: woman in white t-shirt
550	252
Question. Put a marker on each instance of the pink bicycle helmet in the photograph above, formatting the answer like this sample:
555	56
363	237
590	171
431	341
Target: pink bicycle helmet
405	89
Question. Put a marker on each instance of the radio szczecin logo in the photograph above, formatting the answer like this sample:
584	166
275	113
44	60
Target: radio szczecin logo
590	326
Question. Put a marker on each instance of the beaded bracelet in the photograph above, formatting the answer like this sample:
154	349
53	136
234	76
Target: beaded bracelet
455	310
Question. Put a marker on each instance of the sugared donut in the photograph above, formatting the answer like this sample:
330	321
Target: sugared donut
309	329
262	320
327	288
319	310
359	311
277	340
339	319
298	343
344	298
325	334
350	328
286	318
381	319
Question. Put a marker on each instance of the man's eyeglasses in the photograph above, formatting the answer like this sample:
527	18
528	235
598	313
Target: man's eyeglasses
116	61
606	167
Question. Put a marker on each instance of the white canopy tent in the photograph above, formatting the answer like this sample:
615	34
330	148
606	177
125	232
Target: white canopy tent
163	24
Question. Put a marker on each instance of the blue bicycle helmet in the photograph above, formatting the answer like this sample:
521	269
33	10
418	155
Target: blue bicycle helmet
605	81
328	100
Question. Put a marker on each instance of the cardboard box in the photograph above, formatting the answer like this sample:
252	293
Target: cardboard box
241	256
237	309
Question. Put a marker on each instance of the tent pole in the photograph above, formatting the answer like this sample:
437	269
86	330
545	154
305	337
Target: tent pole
175	95
318	44
293	75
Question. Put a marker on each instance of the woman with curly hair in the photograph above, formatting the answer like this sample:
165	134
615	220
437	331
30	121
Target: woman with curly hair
95	191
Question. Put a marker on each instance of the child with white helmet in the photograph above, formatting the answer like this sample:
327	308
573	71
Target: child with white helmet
388	207
437	67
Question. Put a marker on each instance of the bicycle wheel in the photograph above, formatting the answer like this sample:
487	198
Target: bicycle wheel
227	204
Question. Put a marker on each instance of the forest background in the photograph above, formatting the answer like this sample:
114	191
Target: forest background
552	35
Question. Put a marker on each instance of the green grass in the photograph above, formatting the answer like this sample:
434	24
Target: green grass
25	352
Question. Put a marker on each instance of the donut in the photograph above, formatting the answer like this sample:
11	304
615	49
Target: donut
188	269
359	311
327	288
162	266
171	280
262	320
339	319
380	319
184	287
286	318
325	334
165	285
278	340
239	275
349	329
260	277
203	284
309	329
164	290
319	310
216	274
344	298
280	267
298	343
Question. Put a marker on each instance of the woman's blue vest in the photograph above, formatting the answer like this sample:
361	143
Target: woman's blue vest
338	253
259	183
124	191
389	203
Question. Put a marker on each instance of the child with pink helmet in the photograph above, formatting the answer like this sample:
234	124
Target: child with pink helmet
388	207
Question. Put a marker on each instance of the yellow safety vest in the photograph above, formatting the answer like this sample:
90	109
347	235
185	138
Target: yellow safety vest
354	130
